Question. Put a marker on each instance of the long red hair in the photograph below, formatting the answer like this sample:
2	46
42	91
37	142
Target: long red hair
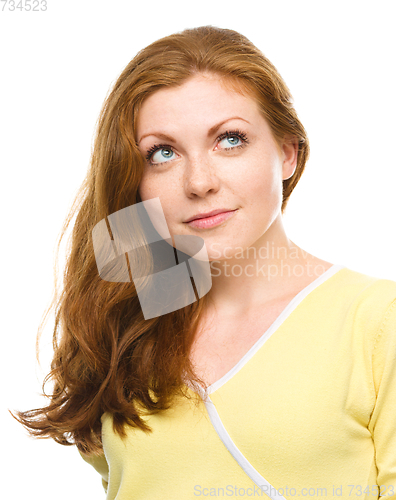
107	357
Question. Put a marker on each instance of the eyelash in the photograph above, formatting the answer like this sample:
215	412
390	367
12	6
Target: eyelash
229	133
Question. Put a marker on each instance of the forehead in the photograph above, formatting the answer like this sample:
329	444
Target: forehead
201	97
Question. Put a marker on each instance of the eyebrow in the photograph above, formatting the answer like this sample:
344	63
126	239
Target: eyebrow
211	132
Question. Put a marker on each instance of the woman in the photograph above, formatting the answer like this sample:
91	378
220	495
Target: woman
278	381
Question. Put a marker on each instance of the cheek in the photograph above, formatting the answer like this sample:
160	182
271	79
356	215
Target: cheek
263	181
165	186
152	187
148	188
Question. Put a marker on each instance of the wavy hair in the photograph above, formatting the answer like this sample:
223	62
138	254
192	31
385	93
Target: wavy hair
107	357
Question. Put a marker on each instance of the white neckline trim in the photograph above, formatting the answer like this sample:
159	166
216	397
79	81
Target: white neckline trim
248	468
272	329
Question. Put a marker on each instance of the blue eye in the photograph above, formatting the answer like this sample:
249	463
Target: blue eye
162	154
232	140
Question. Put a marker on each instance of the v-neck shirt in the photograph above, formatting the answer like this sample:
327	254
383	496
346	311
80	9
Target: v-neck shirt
309	410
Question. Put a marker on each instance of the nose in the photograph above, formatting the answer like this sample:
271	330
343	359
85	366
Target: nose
200	177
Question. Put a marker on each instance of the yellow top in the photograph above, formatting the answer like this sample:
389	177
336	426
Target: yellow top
309	411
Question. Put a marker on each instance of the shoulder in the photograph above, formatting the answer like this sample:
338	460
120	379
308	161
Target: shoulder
365	300
367	290
99	463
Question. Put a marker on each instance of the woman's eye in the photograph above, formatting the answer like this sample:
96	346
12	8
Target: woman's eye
230	141
162	155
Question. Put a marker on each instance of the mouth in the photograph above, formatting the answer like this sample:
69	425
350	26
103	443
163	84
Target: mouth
212	220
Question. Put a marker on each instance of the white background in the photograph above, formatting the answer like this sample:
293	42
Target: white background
337	58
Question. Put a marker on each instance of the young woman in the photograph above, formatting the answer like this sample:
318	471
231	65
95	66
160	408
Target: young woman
279	381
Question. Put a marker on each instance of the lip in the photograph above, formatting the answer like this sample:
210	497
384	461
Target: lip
208	214
214	220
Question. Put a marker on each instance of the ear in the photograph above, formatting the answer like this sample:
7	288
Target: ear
290	152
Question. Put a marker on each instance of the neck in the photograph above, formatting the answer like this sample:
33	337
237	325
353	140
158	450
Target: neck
271	268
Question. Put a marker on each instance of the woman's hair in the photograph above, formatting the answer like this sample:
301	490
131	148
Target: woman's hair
107	357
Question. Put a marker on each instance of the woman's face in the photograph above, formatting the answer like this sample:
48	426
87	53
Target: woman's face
209	148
